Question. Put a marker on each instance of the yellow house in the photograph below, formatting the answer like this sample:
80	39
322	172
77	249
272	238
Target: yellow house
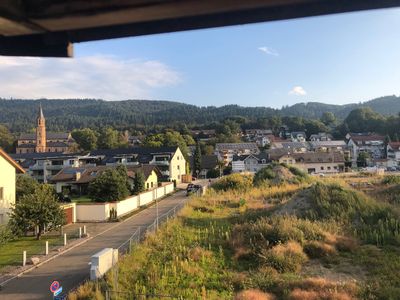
177	166
8	170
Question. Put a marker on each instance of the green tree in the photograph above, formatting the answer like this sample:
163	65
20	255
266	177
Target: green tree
328	118
197	158
362	159
38	209
110	185
109	139
25	185
6	139
86	138
138	183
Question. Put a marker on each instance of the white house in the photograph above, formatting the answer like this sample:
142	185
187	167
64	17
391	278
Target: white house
249	163
226	151
365	142
393	151
8	170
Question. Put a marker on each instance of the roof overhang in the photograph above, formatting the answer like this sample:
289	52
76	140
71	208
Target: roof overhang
12	162
50	27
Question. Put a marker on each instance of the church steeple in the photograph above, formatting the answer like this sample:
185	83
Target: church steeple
40	131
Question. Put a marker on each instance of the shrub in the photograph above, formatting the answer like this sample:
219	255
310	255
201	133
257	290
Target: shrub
316	249
253	294
236	182
391	179
284	257
6	234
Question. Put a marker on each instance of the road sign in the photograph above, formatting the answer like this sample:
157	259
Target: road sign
58	292
54	286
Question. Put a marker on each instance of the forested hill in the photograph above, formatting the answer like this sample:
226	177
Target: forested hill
388	105
19	115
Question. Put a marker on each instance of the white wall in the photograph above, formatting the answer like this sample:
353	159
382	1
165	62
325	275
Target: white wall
92	212
99	212
145	198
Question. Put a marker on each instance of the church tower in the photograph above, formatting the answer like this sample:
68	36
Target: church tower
41	132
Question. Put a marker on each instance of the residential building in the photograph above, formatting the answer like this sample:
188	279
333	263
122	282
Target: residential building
77	180
292	146
297	136
203	134
226	151
313	162
43	166
169	160
134	141
393	151
208	163
373	144
43	141
321	137
249	163
327	146
8	170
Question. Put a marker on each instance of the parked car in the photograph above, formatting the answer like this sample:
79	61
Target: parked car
192	188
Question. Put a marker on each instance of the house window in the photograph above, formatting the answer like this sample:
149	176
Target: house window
178	167
1	193
148	185
329	168
322	168
71	162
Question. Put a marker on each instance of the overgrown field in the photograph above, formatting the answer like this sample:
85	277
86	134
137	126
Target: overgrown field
282	236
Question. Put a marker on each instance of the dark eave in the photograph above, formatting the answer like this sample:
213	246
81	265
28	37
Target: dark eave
50	27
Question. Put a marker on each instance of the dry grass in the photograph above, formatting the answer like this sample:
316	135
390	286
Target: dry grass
254	294
87	291
317	249
320	288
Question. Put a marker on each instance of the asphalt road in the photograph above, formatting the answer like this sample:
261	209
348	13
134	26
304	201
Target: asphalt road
72	268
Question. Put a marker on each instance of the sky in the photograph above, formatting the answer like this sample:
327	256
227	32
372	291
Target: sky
337	59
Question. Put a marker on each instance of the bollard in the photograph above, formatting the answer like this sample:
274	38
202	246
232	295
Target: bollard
84	229
65	239
47	247
23	258
80	232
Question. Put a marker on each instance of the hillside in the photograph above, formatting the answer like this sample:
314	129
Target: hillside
67	114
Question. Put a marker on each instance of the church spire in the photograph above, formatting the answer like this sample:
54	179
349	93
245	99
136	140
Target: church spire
41	141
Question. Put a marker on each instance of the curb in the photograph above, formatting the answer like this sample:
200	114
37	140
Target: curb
72	247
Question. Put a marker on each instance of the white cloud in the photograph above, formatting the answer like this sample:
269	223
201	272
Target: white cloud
269	51
298	91
99	76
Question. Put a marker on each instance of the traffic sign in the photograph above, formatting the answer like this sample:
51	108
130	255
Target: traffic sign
54	286
58	292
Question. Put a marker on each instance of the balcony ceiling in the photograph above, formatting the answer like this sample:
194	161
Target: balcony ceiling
50	27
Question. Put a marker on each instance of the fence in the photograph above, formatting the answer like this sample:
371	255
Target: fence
127	247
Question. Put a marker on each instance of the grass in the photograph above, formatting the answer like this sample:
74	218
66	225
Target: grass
82	199
233	244
11	253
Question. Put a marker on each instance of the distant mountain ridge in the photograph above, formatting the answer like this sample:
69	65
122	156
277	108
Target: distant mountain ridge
67	114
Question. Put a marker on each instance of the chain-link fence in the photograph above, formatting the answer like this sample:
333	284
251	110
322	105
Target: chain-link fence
127	247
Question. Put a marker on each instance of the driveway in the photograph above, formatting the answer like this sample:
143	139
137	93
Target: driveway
72	268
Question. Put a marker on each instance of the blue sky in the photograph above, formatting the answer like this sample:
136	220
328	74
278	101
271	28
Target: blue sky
333	59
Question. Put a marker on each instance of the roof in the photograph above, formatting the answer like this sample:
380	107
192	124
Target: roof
88	174
361	138
208	162
137	150
338	143
44	155
394	145
259	157
48	144
236	146
291	145
319	157
49	136
48	27
12	162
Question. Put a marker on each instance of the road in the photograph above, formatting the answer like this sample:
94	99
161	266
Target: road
72	267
